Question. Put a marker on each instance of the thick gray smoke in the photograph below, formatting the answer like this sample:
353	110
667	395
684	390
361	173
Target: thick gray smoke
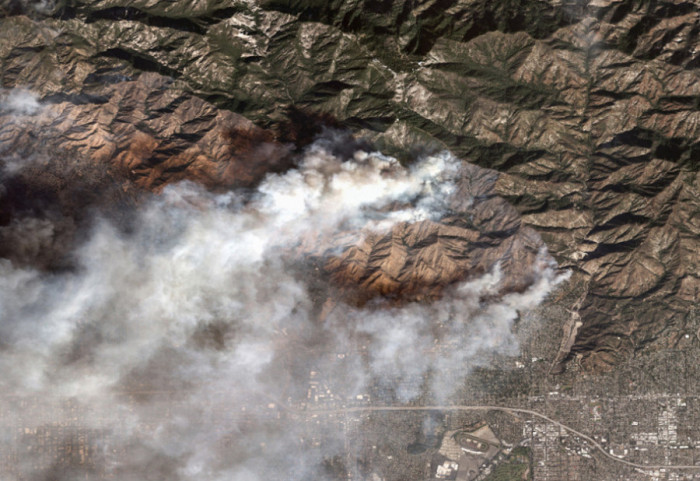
187	344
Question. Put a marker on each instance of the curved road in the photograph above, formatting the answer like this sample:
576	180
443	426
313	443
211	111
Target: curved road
503	409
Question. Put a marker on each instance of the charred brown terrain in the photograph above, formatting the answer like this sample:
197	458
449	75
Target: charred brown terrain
417	261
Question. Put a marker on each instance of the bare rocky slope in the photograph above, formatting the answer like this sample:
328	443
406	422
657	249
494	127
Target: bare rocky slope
588	111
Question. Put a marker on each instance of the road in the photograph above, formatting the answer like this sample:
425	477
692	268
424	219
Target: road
531	412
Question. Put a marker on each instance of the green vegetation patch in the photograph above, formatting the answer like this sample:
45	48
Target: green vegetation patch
517	466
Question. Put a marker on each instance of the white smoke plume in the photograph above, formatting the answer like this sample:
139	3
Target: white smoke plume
404	339
17	106
189	339
19	102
